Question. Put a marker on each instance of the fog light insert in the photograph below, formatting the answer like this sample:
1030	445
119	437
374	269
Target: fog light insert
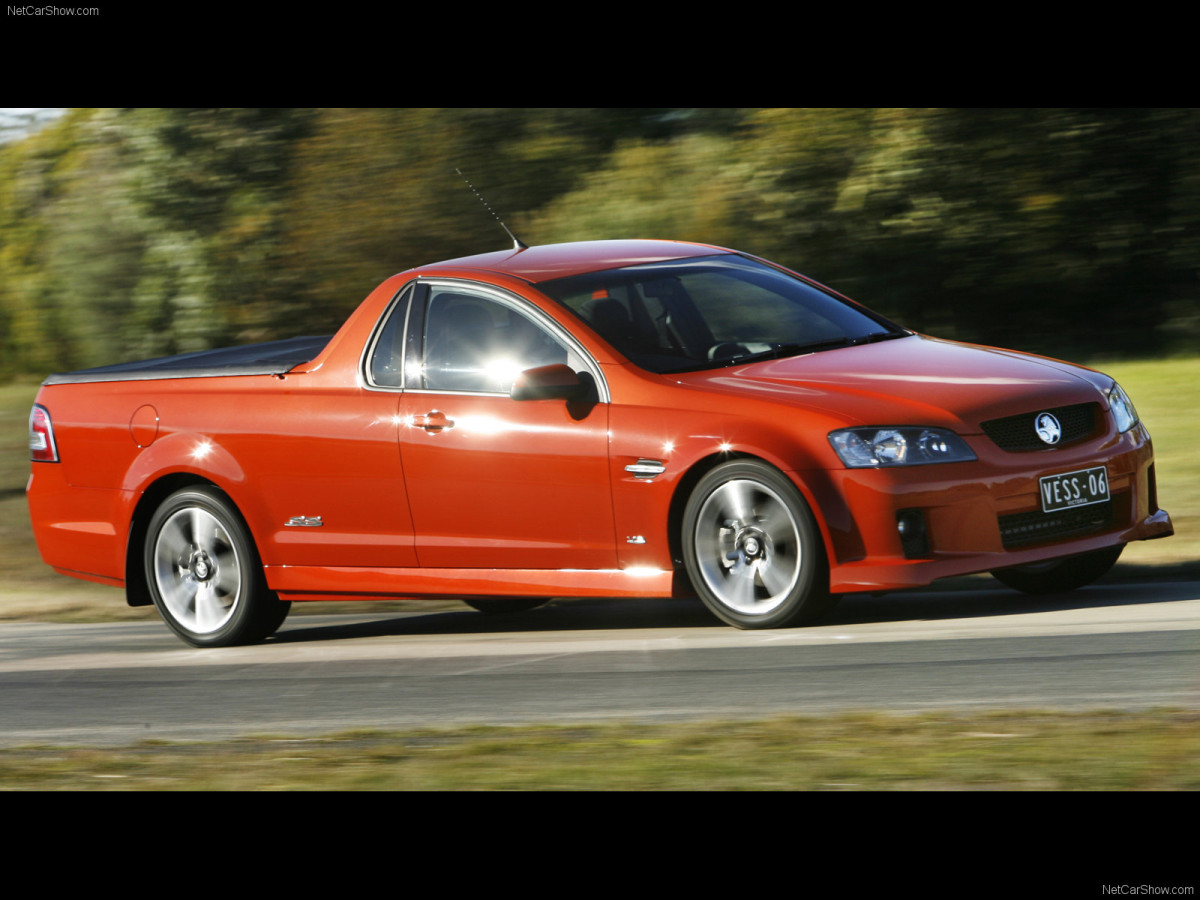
914	538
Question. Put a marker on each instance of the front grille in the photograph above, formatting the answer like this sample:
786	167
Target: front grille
1018	433
1022	529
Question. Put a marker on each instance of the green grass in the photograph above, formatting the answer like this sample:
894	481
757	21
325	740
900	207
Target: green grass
934	752
1166	393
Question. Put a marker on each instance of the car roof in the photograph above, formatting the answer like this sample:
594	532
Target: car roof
550	261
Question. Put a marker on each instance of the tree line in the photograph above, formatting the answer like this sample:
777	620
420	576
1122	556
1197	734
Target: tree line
129	233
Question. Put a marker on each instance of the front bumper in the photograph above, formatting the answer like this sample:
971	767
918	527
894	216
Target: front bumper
981	515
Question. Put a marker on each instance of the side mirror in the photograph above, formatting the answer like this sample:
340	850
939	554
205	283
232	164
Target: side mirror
556	382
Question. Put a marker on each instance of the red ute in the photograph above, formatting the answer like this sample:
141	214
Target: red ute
618	418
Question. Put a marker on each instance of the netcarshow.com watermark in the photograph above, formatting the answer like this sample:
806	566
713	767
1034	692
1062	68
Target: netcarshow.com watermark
31	10
1149	890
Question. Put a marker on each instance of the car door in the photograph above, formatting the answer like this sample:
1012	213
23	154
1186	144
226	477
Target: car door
495	482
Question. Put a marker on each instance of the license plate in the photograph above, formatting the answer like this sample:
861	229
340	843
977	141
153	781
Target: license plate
1071	489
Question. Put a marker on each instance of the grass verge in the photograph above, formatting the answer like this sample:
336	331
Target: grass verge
1151	751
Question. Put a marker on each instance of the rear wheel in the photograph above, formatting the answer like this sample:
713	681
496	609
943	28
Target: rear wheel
1059	575
204	573
752	548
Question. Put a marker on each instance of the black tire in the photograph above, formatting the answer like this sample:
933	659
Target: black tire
752	548
204	573
1057	576
501	605
279	610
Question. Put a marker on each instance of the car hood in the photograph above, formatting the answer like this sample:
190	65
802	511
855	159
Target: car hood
914	380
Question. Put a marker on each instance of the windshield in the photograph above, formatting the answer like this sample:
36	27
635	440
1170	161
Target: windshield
713	311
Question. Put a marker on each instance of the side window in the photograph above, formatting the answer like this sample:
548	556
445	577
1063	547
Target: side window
475	343
387	354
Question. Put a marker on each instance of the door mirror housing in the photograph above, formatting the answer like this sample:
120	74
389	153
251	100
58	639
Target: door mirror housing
554	382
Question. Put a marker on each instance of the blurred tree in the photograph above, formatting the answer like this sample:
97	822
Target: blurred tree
1049	229
131	233
33	335
135	232
375	190
1035	228
210	186
94	246
681	189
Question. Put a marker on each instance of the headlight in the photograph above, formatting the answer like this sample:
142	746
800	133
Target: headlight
1122	408
870	448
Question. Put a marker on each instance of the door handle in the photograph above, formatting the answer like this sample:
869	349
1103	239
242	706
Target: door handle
434	422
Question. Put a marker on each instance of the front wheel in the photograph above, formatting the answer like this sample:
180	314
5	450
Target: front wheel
204	574
1059	575
752	548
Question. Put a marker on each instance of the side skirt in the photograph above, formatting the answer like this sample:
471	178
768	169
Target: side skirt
347	583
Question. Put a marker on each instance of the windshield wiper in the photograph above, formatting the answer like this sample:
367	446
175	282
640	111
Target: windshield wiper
793	349
774	353
875	336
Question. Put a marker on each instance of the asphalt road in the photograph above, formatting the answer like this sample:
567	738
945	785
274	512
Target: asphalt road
1117	646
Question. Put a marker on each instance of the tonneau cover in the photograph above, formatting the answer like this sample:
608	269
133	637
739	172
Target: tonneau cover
273	358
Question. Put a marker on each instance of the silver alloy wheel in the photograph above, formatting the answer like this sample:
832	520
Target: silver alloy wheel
197	570
748	547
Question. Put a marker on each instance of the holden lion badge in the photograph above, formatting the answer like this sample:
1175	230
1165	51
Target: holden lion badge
1047	428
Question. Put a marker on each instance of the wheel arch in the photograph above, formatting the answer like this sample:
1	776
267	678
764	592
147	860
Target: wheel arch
701	467
753	548
137	592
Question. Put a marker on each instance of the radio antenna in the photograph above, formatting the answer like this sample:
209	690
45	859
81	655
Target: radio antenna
517	243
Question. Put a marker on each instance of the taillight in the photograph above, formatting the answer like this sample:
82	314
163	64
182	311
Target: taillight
41	436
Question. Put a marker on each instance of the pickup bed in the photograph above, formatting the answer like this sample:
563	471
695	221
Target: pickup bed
272	358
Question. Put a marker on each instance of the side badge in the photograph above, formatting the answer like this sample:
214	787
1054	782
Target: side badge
304	522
